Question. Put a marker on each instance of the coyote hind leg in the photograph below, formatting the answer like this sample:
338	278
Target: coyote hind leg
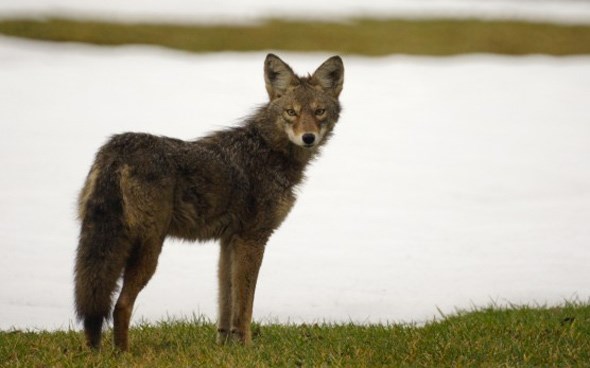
139	270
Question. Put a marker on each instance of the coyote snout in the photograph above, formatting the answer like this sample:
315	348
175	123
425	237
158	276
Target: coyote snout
236	185
306	127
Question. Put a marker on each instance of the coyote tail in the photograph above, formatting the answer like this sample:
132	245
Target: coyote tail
102	249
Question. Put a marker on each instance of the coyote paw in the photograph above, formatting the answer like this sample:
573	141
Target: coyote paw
223	336
241	337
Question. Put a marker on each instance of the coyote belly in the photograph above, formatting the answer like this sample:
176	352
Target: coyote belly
235	185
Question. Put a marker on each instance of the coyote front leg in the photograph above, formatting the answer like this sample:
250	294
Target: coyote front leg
246	258
239	263
225	299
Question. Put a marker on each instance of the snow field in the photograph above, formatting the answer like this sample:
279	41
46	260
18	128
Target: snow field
449	182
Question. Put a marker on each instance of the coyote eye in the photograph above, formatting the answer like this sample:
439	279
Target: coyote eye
291	112
320	112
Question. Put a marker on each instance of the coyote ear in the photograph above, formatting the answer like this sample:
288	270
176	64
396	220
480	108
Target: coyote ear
278	76
330	76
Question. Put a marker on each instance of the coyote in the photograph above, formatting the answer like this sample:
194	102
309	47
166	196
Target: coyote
236	185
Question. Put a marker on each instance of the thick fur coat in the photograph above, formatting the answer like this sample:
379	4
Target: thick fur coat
235	185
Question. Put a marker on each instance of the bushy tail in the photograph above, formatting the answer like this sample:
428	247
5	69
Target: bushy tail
102	250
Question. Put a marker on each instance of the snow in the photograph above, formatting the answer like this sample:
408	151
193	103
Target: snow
225	11
450	182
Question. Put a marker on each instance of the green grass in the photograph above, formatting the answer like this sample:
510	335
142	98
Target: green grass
356	36
491	337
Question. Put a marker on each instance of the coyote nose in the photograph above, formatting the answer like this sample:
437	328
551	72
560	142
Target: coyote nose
308	138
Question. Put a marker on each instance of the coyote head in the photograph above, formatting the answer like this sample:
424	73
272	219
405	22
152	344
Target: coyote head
305	108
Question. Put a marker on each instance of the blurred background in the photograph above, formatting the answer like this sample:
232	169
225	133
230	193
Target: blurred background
426	27
458	176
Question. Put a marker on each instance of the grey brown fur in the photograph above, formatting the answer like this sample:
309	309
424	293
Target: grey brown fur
235	185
